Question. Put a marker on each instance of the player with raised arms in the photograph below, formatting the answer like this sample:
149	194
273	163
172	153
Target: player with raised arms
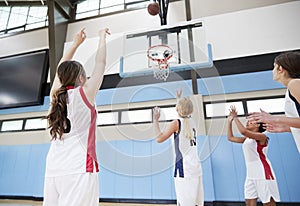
71	167
188	170
260	178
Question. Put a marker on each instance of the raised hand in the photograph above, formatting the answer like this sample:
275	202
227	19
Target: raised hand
232	111
156	113
103	32
275	128
79	37
178	94
262	116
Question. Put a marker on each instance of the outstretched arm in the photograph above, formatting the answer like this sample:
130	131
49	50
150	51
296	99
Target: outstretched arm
178	94
91	87
267	118
161	136
77	41
246	132
230	135
282	121
261	137
277	128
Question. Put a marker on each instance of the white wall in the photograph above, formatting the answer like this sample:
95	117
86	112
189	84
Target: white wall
242	33
254	31
128	21
279	21
204	8
237	34
26	42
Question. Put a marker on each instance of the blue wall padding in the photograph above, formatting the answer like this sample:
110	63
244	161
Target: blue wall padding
22	169
143	169
256	81
227	170
132	169
18	110
286	163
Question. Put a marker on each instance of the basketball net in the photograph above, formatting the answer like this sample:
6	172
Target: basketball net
159	61
160	69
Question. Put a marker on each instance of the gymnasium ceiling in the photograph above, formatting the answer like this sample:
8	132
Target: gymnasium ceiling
33	2
225	67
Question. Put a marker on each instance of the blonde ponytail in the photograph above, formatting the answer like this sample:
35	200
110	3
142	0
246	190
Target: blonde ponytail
185	108
188	130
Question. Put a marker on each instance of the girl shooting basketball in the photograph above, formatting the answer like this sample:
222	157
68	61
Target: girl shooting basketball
260	179
72	169
188	170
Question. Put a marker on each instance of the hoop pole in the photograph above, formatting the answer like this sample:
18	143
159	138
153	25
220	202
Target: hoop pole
163	4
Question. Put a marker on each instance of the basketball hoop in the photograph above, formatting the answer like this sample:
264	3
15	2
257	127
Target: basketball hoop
159	56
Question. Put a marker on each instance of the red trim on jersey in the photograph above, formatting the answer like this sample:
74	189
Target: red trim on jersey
69	87
263	159
91	148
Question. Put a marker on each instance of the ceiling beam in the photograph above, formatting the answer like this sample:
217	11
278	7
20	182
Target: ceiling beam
69	3
23	3
59	15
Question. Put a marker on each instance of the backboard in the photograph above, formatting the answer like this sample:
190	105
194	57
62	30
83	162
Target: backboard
187	40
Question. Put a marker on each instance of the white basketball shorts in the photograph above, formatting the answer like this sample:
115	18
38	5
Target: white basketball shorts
189	191
262	189
75	190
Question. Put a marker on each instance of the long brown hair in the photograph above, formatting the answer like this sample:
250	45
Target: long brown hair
184	109
290	61
68	73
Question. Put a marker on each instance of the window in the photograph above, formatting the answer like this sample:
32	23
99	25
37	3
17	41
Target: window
134	4
108	118
37	17
39	123
168	113
273	105
20	18
89	8
269	105
222	109
111	9
12	125
4	16
134	116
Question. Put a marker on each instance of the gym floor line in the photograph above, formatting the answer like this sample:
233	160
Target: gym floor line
39	203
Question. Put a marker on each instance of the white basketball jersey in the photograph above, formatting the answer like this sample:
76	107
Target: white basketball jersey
258	165
187	162
76	152
292	109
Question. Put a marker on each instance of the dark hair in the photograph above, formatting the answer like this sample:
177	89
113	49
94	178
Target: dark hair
261	128
290	61
68	73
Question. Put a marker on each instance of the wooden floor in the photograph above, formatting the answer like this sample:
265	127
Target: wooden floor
37	203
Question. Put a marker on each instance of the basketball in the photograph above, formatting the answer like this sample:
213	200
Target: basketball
153	8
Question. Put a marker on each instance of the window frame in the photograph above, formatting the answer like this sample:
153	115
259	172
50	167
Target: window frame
244	103
15	29
119	113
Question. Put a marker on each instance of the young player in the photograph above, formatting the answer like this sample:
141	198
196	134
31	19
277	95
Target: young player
72	169
260	179
286	71
188	170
